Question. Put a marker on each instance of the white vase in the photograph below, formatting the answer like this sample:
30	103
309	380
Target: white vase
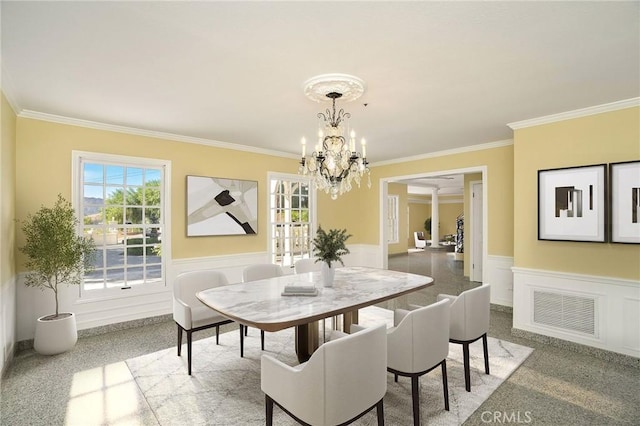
55	336
328	273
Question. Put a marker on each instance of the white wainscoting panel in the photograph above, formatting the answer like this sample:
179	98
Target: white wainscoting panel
7	322
601	312
33	303
500	277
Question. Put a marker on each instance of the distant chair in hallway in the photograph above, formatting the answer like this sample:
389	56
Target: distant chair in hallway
260	271
188	312
420	242
470	322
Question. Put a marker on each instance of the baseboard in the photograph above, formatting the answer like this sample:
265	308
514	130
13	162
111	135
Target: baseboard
602	354
104	329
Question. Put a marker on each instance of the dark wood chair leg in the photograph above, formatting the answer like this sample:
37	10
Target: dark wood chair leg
262	339
217	334
467	372
380	412
395	378
242	328
415	395
246	331
179	340
268	404
445	384
486	353
189	350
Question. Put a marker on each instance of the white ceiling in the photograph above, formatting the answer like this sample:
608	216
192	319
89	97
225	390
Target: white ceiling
439	75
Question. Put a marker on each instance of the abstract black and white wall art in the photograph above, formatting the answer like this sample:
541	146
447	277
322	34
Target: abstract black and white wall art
217	206
624	180
572	204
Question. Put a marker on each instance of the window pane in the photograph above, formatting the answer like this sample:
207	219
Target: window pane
152	175
134	176
121	209
93	173
115	175
152	196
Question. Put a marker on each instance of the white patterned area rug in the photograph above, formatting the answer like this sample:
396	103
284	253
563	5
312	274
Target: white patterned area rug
224	389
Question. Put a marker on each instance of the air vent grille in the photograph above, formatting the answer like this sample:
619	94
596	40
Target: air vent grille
569	312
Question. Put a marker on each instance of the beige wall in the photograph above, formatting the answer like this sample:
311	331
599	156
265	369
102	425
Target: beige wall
418	213
499	164
46	147
595	139
7	192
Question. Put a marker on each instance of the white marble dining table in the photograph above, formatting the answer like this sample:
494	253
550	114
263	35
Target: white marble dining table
261	304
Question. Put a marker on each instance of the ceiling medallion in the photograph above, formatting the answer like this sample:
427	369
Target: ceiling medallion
334	163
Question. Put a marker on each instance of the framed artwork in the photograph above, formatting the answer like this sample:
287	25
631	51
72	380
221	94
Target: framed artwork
218	206
624	180
572	204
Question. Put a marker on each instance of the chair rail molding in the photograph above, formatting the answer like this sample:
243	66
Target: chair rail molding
601	312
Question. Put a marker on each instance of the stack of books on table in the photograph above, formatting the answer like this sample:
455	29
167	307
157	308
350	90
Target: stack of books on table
300	290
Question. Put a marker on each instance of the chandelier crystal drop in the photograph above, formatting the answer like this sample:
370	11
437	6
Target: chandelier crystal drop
334	163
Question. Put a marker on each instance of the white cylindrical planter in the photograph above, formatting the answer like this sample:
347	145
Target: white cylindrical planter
328	273
55	336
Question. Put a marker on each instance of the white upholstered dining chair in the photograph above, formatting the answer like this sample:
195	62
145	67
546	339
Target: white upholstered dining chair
303	266
259	271
343	380
188	312
470	322
417	343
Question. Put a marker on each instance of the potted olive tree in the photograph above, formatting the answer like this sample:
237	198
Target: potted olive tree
329	247
56	256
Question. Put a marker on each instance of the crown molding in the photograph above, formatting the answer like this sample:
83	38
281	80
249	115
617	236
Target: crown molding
480	147
583	112
149	133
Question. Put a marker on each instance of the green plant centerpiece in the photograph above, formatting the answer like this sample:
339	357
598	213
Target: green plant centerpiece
329	247
56	256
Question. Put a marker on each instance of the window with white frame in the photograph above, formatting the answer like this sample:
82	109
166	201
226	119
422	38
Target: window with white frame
392	219
120	202
291	218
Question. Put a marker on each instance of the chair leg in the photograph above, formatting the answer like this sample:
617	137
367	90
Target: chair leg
217	334
268	404
467	372
179	340
246	331
189	350
262	339
380	412
242	328
395	378
415	395
445	384
486	353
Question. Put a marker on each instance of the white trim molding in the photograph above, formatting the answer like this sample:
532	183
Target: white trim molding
461	150
149	133
583	112
500	277
610	306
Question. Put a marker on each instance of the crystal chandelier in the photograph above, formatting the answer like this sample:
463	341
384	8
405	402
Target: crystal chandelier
334	163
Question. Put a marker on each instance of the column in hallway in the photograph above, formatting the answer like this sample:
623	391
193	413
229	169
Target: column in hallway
435	227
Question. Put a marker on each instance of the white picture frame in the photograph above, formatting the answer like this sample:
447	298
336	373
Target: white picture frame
220	206
624	181
572	204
